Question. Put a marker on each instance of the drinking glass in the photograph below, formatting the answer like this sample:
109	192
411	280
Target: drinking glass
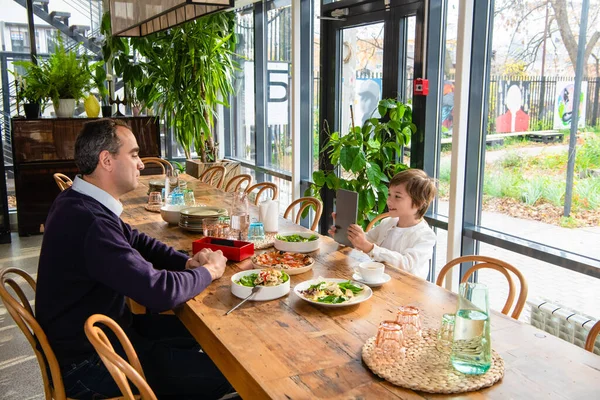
471	347
409	319
256	231
224	226
182	185
211	227
446	334
177	198
188	197
390	340
154	199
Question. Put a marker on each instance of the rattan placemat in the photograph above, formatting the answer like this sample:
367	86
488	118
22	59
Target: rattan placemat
427	370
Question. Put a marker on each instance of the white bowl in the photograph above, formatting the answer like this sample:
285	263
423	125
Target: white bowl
170	213
298	247
265	292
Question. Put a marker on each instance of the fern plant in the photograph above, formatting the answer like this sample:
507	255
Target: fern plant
367	157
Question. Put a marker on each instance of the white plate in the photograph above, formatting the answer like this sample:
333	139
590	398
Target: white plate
203	212
363	296
265	292
289	271
298	247
358	278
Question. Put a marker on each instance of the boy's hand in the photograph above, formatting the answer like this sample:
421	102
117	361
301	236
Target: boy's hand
357	237
332	229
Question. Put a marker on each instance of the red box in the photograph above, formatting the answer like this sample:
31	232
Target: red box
233	250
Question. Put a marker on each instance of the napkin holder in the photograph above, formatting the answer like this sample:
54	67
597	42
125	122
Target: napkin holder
233	250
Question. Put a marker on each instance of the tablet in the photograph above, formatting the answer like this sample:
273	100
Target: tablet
346	213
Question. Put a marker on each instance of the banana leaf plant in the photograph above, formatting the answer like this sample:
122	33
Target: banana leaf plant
367	158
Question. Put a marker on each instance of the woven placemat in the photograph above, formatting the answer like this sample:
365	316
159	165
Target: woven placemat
153	208
427	370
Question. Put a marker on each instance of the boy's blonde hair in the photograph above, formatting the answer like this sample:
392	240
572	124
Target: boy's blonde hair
419	186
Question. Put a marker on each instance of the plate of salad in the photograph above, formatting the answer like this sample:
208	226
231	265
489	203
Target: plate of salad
299	242
332	292
273	284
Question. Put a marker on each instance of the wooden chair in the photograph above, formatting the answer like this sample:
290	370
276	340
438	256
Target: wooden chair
236	182
498	265
121	370
212	174
375	220
306	202
591	339
262	186
62	181
163	164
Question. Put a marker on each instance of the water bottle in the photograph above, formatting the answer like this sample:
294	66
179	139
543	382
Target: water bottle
239	216
471	347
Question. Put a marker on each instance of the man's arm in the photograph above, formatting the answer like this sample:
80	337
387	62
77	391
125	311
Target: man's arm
155	251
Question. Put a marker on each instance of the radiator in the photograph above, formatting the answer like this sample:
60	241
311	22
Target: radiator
562	322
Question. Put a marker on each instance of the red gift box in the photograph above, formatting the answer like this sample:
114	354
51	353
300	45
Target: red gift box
233	250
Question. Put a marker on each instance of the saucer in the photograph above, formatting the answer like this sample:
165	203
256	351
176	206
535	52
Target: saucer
358	278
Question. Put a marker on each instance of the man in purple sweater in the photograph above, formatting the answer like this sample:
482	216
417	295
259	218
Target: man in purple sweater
91	260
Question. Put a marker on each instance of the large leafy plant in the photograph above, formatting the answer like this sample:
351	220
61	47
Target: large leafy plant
31	88
367	158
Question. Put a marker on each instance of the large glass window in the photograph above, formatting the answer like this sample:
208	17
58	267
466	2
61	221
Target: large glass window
279	56
243	105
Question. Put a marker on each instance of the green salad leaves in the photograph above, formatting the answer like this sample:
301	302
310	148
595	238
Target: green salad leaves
295	238
248	280
332	298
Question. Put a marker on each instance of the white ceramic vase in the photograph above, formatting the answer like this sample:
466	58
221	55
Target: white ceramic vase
65	108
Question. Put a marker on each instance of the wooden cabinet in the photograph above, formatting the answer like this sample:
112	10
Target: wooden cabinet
42	147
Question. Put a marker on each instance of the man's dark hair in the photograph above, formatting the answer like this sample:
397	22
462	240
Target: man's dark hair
94	138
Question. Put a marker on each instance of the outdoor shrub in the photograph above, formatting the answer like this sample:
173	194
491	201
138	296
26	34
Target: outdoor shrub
445	171
588	191
555	162
554	190
491	185
533	190
512	160
504	183
588	155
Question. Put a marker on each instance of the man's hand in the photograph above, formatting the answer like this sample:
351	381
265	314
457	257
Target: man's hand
213	261
357	237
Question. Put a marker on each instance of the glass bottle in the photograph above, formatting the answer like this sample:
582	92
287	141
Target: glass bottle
471	347
239	216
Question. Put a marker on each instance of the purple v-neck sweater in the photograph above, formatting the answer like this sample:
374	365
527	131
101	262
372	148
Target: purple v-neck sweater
90	260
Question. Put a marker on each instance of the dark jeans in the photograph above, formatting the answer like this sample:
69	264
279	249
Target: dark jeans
172	360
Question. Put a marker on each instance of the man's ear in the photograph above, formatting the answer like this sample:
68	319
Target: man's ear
105	160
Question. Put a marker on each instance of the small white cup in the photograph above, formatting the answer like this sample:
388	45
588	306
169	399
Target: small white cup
371	271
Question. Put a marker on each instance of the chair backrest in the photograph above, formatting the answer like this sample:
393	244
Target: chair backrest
121	370
62	181
237	181
21	311
262	186
498	265
306	202
375	220
591	339
163	164
212	174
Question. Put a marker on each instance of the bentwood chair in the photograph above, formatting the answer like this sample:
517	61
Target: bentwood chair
62	181
591	339
376	220
263	186
306	202
121	370
20	310
163	164
212	175
498	265
236	182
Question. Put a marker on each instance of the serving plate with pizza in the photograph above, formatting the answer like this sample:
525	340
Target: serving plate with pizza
291	263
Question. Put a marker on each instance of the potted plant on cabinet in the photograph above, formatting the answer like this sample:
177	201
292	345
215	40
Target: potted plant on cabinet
367	158
99	76
31	89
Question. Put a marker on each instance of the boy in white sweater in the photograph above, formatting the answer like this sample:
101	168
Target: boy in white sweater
404	240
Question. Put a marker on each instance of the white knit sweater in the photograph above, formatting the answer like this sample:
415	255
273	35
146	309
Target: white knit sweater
409	249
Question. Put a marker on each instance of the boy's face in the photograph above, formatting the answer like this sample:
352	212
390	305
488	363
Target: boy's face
400	204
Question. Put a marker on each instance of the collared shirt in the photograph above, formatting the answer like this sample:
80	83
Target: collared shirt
101	196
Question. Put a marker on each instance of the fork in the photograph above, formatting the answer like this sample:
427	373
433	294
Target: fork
255	289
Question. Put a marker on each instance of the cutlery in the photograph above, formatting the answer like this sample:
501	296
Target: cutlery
255	289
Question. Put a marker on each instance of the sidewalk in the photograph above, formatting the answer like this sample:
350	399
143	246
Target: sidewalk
546	281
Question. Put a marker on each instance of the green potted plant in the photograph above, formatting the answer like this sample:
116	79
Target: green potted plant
367	158
68	78
99	77
31	89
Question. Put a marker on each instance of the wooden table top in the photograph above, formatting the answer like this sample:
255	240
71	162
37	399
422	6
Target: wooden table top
290	349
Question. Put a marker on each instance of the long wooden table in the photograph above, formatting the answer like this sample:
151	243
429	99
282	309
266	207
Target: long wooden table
290	349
